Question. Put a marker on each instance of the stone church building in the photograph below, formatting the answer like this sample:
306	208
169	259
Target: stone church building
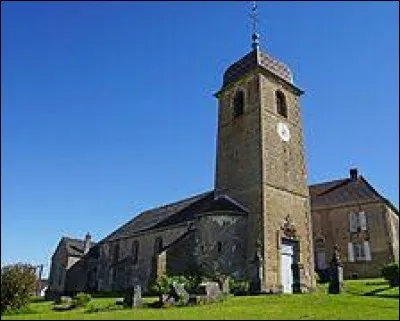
261	222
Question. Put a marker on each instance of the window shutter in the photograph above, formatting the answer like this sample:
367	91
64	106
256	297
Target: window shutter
367	251
353	222
350	252
363	221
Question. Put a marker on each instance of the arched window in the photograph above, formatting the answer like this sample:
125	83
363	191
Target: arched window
281	104
135	251
238	104
158	245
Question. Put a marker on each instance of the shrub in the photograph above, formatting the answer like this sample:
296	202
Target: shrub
81	300
18	282
390	272
161	285
104	308
239	287
60	299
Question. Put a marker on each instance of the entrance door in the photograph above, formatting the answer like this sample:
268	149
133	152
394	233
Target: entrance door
286	267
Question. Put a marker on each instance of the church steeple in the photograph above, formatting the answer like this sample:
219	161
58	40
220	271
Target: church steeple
260	163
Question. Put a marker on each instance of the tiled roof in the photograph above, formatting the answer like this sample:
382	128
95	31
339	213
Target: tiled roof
252	60
152	217
343	191
174	213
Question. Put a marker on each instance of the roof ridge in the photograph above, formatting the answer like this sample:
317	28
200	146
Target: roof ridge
331	189
137	216
326	182
177	202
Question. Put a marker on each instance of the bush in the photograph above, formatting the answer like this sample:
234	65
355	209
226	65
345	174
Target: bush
81	300
18	282
239	287
390	272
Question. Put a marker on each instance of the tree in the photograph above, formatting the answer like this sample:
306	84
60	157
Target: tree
18	282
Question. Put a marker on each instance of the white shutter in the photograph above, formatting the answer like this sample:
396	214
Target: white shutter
350	251
363	221
367	251
353	222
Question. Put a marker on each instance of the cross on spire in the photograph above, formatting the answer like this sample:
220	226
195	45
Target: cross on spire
255	36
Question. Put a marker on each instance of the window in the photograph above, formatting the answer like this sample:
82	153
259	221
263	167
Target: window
359	251
281	104
135	251
219	247
116	253
238	104
358	222
158	245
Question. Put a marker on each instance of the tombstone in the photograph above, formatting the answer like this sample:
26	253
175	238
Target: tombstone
210	289
133	297
225	285
336	272
179	293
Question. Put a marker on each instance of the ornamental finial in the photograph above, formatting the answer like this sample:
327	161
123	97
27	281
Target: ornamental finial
255	36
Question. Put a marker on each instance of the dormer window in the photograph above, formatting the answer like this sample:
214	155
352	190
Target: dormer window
238	104
281	106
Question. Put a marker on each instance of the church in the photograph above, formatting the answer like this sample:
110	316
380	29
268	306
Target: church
262	222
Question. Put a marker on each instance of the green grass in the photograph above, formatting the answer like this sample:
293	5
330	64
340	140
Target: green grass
361	300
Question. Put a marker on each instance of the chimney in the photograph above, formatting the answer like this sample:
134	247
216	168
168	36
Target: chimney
86	243
353	174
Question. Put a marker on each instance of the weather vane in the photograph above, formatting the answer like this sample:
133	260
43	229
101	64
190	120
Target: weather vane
255	36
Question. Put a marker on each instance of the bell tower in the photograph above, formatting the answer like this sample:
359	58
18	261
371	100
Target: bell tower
261	164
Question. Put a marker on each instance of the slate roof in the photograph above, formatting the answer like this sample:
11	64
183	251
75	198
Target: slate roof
255	59
74	246
345	191
175	213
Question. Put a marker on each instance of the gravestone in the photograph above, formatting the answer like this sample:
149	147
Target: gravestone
336	272
133	297
179	293
210	290
225	286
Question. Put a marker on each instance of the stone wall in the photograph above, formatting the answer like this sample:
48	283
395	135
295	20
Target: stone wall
264	173
220	244
332	224
238	163
123	273
58	270
393	220
285	189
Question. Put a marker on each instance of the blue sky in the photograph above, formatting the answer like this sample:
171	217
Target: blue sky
108	107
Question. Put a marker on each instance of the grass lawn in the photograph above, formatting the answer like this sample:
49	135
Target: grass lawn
362	300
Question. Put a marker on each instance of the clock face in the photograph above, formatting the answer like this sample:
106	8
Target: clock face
283	131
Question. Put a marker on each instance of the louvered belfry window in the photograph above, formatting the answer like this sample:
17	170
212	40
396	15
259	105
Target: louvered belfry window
238	104
281	106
